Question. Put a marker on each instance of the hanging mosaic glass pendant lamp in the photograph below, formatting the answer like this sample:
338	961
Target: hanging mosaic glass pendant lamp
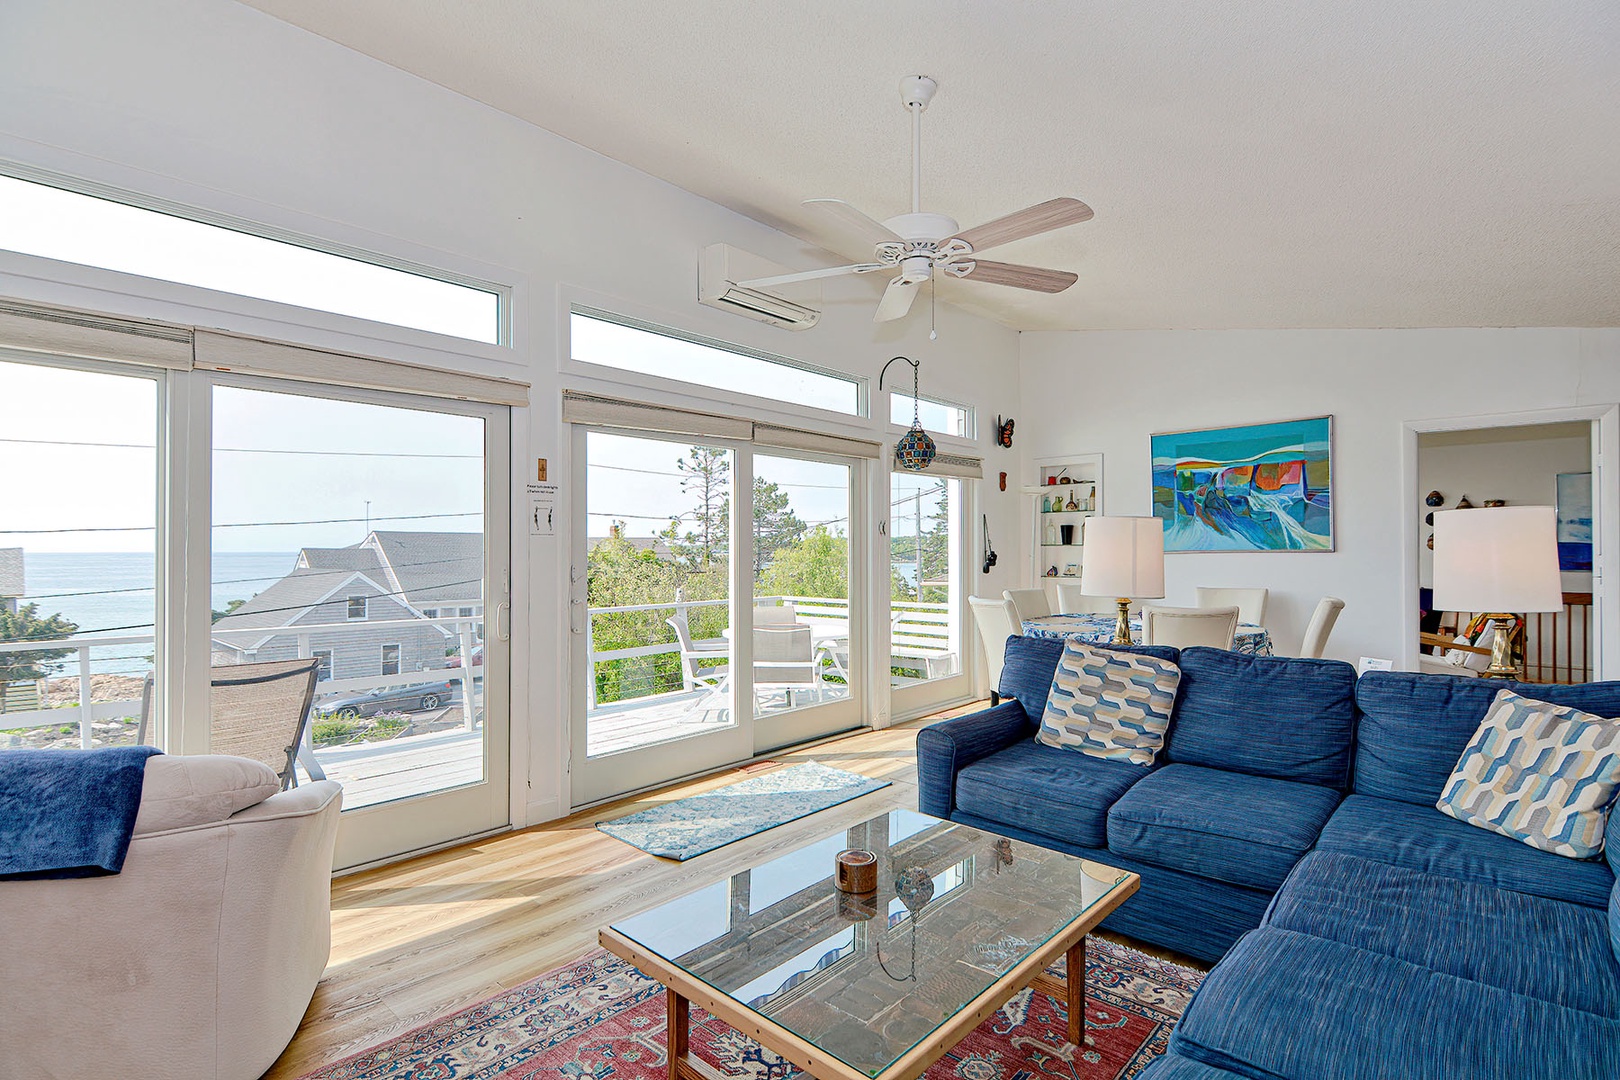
916	448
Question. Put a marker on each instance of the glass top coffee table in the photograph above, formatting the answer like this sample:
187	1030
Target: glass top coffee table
873	987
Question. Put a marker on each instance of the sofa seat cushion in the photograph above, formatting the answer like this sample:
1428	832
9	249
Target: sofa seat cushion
199	789
1236	828
1286	718
1422	838
1292	1005
1051	792
1173	1066
1524	944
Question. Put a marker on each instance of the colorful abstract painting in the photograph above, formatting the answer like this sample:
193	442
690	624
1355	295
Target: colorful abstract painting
1575	521
1261	487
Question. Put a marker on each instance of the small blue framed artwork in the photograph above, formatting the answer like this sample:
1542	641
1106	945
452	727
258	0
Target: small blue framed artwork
1575	521
1259	487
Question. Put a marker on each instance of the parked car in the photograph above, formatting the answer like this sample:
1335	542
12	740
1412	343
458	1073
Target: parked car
416	697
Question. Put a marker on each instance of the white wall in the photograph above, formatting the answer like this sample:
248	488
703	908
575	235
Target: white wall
1120	386
215	105
1519	465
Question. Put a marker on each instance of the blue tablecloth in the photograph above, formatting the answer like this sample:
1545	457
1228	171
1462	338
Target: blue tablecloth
1250	638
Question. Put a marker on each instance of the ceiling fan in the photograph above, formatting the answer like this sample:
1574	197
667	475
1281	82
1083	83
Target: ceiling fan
919	244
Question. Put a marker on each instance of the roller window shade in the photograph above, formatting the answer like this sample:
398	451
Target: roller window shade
815	442
250	356
963	468
63	332
597	411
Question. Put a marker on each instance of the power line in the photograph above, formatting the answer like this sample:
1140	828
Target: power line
307	573
251	450
243	524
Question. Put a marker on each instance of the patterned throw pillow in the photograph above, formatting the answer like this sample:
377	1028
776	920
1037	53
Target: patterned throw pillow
1544	774
1109	704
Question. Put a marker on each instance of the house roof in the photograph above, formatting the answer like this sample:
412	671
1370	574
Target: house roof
433	568
11	572
420	569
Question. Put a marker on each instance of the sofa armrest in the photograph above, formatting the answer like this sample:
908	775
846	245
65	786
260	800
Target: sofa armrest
945	749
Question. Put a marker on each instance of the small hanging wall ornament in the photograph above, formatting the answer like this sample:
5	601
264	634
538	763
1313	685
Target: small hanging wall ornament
1004	430
915	449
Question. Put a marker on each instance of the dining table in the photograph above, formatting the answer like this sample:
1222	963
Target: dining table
1251	638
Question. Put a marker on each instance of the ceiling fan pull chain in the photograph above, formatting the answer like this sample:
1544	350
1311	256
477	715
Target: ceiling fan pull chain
933	290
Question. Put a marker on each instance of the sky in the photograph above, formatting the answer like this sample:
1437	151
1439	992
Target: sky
79	451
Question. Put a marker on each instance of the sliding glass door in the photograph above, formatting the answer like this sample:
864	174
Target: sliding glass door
928	568
707	626
79	542
367	532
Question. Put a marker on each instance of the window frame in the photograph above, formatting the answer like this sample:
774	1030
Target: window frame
700	395
328	664
399	656
37	278
970	419
365	606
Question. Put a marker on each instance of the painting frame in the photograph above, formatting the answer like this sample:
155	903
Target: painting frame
1206	484
1574	521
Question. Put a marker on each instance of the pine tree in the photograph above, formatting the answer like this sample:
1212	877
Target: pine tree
705	475
25	624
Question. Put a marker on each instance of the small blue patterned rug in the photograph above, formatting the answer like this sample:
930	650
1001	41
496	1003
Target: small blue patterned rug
689	827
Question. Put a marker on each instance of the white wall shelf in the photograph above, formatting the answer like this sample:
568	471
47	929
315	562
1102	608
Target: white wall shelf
1076	476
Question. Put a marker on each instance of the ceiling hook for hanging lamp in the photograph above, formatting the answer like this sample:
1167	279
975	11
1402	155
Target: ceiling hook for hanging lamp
915	450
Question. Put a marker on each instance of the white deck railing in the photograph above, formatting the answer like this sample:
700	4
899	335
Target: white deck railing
86	712
918	631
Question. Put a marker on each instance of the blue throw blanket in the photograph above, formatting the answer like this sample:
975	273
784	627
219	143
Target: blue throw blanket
68	813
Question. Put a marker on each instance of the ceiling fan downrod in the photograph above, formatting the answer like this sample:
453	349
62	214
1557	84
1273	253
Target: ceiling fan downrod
917	91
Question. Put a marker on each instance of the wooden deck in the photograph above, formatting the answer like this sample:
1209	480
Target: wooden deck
380	772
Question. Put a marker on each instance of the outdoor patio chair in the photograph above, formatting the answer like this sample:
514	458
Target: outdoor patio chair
258	711
716	679
785	661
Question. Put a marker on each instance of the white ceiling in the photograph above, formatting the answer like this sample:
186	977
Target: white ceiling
1264	163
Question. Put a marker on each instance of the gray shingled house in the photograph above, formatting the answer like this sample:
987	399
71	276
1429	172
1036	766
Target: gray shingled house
11	578
389	577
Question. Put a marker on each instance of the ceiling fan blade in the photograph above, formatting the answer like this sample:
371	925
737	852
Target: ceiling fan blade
1042	217
868	229
807	275
896	299
1036	278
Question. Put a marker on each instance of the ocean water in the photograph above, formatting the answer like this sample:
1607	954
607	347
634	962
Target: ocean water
112	593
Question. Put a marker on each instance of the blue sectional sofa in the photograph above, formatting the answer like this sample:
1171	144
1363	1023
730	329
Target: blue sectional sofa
1288	830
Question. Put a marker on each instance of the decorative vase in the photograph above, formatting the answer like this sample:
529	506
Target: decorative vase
856	871
1067	532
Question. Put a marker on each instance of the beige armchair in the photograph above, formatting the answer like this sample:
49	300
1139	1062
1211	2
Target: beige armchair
200	958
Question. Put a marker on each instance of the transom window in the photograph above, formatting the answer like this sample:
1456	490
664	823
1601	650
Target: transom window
939	416
597	338
56	223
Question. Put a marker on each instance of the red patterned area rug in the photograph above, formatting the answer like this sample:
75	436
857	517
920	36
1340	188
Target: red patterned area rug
600	1018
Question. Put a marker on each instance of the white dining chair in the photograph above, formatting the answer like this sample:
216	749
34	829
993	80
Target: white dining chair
1185	628
1321	625
1251	603
1028	604
1071	601
775	615
997	621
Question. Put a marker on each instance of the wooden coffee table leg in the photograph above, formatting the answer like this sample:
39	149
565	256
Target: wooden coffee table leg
1075	970
680	1015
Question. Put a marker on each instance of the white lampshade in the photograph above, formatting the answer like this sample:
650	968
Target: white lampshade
1123	556
1498	559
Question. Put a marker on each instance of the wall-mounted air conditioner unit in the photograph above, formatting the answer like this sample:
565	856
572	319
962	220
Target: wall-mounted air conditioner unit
721	267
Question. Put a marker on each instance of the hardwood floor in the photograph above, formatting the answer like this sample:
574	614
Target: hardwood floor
424	937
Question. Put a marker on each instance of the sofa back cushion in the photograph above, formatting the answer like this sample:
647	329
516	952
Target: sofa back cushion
1031	663
1414	727
1109	704
1283	717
